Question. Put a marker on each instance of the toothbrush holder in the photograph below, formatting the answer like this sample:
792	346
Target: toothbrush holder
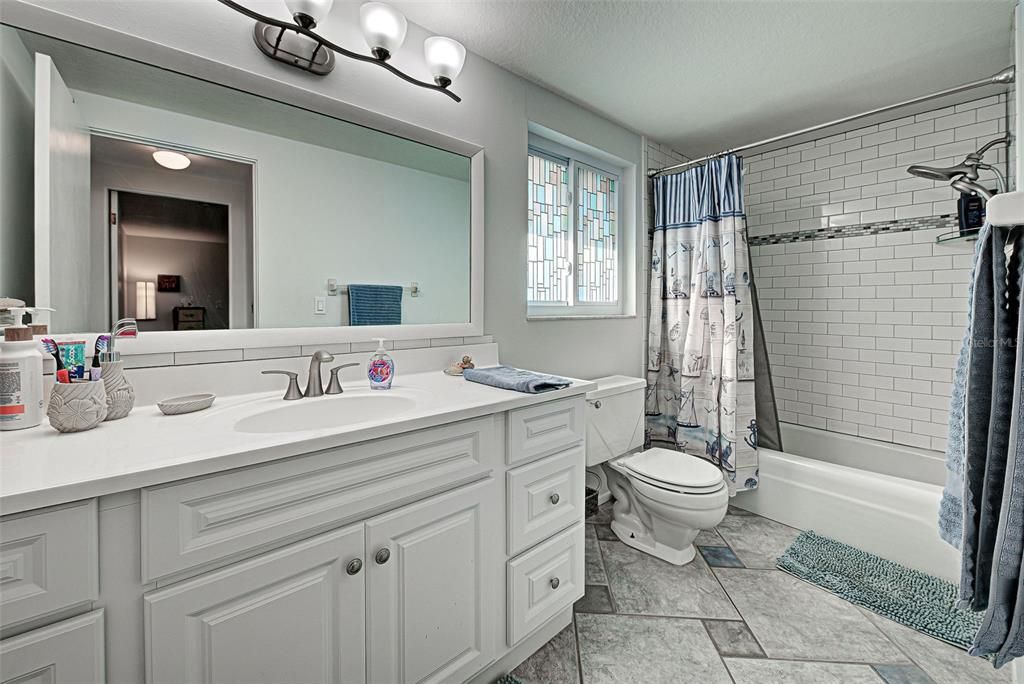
120	393
76	406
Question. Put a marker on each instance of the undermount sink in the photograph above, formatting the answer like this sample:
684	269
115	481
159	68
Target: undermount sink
326	412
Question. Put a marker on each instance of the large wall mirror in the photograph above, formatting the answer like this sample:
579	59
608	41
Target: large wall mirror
191	205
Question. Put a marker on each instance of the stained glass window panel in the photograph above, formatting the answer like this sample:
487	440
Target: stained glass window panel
597	235
549	241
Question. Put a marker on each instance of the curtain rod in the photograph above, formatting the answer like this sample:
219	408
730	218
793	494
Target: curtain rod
1004	76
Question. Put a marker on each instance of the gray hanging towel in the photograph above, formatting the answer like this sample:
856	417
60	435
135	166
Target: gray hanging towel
978	403
999	575
374	304
951	506
1003	379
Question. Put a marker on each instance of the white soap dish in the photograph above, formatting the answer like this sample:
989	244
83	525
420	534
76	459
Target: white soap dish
187	404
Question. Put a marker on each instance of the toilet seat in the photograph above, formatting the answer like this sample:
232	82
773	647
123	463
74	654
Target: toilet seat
674	471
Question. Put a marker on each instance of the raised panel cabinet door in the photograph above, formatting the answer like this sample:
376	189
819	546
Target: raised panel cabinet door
433	569
68	652
293	615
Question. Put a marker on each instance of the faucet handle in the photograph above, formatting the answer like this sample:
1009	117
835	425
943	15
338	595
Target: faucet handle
293	391
334	387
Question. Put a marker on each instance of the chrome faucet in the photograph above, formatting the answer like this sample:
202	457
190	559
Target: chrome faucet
315	383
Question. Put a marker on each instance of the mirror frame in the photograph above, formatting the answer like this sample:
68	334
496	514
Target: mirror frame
37	19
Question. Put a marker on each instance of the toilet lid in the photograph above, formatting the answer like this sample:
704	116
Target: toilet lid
674	468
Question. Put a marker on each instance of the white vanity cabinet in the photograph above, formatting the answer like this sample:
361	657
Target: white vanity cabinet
440	554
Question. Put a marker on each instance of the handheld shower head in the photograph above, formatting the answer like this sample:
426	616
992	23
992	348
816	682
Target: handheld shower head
971	188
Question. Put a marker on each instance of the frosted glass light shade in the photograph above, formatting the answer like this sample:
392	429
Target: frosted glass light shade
383	28
445	58
175	161
316	10
145	300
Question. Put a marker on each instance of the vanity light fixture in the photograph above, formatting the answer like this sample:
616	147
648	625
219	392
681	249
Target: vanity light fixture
383	29
175	161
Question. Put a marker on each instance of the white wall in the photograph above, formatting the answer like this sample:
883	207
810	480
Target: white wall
494	113
16	167
321	214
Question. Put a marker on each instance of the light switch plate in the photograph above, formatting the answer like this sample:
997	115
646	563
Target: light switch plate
320	306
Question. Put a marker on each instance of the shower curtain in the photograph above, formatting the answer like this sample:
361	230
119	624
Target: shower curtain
701	329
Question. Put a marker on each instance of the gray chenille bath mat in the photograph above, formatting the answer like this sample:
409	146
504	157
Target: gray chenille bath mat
909	597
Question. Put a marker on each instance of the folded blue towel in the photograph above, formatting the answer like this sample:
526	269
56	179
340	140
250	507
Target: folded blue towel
506	377
374	304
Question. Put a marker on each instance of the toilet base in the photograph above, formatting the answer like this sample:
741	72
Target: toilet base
643	541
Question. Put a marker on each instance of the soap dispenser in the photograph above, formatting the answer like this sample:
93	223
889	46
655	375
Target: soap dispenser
381	369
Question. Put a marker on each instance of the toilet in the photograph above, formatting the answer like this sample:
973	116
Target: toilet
663	498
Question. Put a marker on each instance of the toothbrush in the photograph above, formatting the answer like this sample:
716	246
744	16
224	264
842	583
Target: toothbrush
51	348
96	372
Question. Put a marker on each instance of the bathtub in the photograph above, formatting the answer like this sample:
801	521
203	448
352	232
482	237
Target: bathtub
879	497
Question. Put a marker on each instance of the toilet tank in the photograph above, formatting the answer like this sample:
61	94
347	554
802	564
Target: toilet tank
615	417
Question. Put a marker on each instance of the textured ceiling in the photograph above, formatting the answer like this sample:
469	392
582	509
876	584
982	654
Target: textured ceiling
703	76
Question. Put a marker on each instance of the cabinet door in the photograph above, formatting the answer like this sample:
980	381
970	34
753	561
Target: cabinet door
433	568
68	652
294	615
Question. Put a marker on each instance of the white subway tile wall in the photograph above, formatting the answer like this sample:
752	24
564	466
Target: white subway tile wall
863	331
860	176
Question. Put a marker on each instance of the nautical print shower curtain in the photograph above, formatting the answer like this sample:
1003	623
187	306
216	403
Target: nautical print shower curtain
700	372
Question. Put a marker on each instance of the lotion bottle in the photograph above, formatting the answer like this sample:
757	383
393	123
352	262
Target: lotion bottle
381	369
21	375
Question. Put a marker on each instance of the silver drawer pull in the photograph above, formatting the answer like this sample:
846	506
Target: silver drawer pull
354	566
554	498
382	556
554	582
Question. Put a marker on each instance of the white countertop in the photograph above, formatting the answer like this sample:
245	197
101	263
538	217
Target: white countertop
42	467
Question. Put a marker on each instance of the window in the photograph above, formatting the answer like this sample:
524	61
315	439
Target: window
574	255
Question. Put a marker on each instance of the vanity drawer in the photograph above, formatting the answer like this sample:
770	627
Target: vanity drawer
544	497
544	429
544	581
49	561
194	522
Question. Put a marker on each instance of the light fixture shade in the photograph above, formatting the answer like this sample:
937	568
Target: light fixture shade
175	161
445	58
383	28
316	10
145	300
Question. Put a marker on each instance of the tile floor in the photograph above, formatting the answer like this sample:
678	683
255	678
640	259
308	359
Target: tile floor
730	616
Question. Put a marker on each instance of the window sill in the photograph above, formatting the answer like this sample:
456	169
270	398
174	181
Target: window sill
576	317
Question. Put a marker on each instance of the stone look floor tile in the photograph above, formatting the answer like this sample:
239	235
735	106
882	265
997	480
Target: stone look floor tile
720	556
761	671
757	541
597	599
645	585
594	567
604	514
604	533
623	648
709	538
733	638
942	662
793	619
554	663
903	674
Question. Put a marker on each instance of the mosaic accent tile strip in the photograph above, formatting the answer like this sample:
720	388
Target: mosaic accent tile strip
946	222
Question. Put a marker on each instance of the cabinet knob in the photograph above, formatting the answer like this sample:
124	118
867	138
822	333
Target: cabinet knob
554	498
597	404
554	582
354	566
382	556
